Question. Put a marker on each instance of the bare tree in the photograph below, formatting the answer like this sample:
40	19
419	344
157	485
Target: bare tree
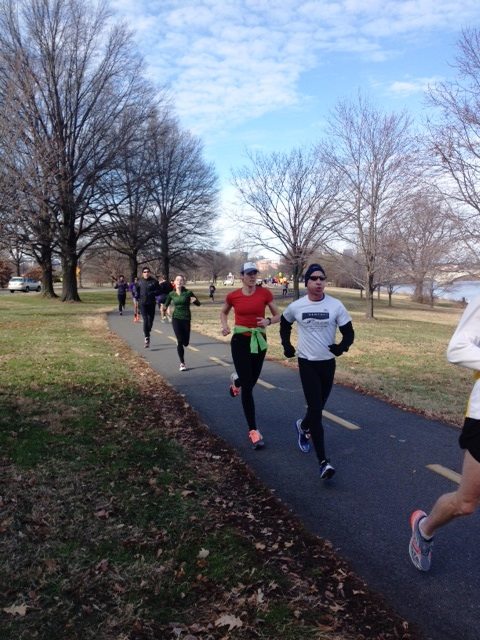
455	137
290	199
13	242
426	242
127	196
390	262
184	193
210	264
67	87
374	156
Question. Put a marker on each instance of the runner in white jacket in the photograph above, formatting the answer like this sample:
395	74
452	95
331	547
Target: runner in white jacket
464	350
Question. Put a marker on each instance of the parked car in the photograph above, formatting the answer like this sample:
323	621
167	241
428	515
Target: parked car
19	283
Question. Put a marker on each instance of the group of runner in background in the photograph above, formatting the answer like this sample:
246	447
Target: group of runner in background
317	314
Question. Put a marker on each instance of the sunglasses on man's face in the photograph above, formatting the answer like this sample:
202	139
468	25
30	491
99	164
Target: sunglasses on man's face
315	278
251	273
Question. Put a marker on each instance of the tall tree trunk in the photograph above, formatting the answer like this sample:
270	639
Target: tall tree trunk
418	292
166	267
69	271
68	243
369	289
45	261
297	270
133	265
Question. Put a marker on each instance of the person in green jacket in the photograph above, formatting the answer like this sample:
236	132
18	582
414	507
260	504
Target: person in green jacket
181	317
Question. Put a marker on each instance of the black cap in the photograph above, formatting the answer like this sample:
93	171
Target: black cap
311	269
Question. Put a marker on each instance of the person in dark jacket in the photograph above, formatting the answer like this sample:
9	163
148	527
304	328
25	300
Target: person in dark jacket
122	287
147	290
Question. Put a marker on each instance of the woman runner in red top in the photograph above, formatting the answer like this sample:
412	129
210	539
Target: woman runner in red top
248	344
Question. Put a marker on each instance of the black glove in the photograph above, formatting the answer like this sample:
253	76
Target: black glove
288	350
337	349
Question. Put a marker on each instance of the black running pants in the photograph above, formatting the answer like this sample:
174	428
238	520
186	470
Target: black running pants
181	329
122	298
317	381
248	367
148	315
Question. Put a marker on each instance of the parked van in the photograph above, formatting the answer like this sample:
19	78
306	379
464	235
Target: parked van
19	283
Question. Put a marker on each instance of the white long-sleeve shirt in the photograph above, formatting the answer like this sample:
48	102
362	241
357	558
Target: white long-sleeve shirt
464	350
464	346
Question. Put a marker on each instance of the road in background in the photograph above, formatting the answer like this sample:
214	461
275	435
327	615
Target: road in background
388	463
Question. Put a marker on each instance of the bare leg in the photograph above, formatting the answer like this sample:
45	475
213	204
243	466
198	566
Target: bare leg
461	502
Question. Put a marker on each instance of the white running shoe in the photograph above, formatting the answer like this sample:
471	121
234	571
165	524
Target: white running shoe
234	390
326	470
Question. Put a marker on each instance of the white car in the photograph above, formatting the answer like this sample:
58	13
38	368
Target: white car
19	283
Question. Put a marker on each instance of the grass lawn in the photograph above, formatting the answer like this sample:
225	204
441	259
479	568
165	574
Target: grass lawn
119	522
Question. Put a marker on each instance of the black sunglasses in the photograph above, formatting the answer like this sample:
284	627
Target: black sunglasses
315	278
250	273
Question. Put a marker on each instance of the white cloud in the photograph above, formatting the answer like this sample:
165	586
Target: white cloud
411	86
228	61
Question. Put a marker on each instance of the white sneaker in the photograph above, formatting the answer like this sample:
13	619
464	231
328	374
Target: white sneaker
326	470
182	367
234	390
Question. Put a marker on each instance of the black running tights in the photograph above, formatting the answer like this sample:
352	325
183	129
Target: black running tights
317	381
248	367
148	315
181	329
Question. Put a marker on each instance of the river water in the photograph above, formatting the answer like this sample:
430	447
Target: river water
467	289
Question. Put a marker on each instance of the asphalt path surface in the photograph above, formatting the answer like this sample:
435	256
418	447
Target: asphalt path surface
383	459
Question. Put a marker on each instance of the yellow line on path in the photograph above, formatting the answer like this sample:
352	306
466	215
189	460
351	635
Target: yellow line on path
218	361
341	421
173	339
445	472
267	385
261	382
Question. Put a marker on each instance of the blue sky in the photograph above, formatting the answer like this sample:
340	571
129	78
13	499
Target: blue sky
264	74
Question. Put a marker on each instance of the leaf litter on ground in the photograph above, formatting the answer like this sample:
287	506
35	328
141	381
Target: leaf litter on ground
151	527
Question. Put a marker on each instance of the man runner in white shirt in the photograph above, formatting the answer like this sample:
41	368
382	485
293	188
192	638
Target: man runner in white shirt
464	350
318	315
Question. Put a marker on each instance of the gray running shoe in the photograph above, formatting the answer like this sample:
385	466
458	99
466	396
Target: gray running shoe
303	437
420	549
326	470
